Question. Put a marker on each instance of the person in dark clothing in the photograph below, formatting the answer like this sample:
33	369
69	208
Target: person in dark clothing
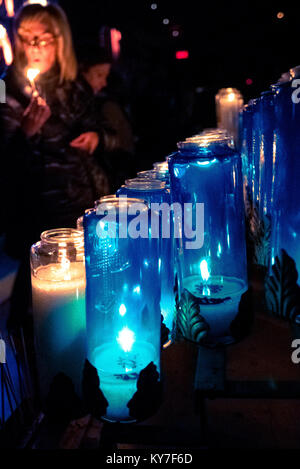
117	143
49	135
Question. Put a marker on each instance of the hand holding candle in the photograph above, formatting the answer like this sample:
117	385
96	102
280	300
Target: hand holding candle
35	116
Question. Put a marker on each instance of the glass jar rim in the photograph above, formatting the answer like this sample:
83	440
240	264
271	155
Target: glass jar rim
62	236
151	173
118	198
141	184
206	141
122	204
161	167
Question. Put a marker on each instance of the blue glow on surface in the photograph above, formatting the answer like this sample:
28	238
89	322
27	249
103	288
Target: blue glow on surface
206	163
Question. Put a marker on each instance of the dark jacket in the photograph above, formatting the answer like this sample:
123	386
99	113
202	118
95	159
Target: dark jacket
46	183
116	149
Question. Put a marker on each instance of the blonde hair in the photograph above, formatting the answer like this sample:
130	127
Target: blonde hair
55	19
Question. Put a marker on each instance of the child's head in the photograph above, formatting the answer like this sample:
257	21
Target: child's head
43	38
95	65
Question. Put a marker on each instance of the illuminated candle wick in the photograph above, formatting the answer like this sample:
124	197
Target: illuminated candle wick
65	262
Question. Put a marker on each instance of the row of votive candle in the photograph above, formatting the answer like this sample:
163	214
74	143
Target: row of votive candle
271	167
190	272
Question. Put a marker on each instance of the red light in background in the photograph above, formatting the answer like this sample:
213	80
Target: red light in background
249	81
182	54
115	37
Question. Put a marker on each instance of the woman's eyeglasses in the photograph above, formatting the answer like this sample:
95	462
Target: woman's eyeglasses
37	41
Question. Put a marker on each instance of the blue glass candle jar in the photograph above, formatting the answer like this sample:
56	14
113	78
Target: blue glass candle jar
246	149
268	152
286	207
212	251
255	153
122	301
154	191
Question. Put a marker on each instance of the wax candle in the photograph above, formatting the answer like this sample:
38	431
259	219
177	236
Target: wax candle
118	368
123	301
58	293
212	268
229	102
59	317
219	299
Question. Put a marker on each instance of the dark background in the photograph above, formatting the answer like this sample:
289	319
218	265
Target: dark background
228	43
168	99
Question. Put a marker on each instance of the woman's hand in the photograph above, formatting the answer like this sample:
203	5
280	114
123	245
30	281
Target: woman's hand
87	142
35	116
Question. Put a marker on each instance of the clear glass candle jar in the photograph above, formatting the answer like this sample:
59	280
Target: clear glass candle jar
229	102
212	251
58	294
123	297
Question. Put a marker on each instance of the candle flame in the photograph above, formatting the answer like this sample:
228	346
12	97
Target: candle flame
204	270
126	339
32	73
44	3
231	97
122	310
10	8
5	45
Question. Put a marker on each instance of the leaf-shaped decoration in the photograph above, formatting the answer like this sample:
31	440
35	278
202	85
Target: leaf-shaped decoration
189	323
242	324
94	399
146	401
62	403
282	294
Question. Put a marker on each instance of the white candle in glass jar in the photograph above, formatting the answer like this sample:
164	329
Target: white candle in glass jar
58	292
229	103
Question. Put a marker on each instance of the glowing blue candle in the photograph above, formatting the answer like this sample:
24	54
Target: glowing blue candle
155	192
285	202
208	171
122	298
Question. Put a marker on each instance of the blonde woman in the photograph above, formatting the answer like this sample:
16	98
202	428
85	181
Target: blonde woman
49	170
